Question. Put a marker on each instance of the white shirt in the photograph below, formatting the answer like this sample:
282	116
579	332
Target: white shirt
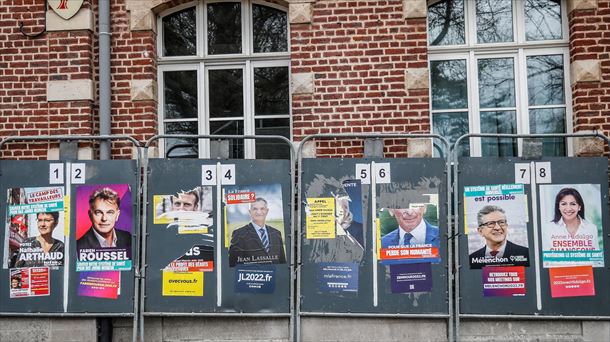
103	241
419	234
500	251
258	230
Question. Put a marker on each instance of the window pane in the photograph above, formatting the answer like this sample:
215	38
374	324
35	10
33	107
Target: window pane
494	21
496	83
545	80
269	29
180	94
226	93
181	148
230	127
446	22
272	149
180	33
549	120
542	19
502	122
452	126
224	28
449	89
271	91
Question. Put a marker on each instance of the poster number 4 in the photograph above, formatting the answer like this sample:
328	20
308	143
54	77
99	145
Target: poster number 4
228	174
56	173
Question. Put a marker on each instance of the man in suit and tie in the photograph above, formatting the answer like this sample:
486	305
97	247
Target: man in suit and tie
493	227
412	229
104	213
256	242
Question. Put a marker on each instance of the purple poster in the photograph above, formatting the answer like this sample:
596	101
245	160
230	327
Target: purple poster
411	278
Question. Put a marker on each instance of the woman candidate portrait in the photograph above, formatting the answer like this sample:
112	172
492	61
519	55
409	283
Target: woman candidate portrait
570	230
43	244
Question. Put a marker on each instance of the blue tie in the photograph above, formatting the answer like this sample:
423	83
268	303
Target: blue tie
407	239
264	239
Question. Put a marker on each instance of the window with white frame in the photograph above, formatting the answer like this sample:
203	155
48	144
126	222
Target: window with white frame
223	69
499	66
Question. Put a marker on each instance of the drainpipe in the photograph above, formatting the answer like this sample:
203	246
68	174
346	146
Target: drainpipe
104	323
104	74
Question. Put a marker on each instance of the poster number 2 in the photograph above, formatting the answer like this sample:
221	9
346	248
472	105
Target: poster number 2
77	173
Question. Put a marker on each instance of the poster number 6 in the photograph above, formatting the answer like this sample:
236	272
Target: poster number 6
382	173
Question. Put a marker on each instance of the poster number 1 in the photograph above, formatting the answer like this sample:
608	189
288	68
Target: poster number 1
56	173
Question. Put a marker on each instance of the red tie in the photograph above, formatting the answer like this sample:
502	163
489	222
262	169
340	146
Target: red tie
494	253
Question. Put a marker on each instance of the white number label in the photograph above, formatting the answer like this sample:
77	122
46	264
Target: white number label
228	174
382	173
77	173
208	174
522	173
56	173
543	172
363	172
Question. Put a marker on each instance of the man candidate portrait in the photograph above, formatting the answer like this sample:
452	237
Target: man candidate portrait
185	201
257	242
412	229
493	227
104	213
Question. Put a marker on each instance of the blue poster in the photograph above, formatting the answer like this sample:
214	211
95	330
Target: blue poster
411	278
338	277
258	279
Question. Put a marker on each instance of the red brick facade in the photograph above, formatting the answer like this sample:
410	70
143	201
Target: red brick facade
358	52
590	40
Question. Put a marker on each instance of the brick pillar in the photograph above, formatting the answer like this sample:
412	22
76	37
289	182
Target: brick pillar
589	22
359	67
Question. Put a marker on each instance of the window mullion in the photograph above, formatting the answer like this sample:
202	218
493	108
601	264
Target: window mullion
249	144
475	122
523	126
204	113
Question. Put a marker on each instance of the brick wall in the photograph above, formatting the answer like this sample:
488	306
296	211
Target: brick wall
358	52
26	65
590	41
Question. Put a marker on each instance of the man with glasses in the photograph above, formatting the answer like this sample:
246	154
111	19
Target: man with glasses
493	227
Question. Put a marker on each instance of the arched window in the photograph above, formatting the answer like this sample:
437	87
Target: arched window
499	66
224	69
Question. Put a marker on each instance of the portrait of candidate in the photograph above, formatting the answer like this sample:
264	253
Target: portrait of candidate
46	223
493	227
103	213
256	242
569	221
412	228
345	223
185	201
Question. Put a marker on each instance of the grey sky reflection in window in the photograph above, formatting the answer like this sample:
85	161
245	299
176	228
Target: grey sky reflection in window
545	80
446	22
494	21
496	83
542	20
449	87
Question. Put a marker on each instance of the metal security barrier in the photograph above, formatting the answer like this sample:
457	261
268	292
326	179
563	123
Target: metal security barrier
552	278
236	283
341	266
51	190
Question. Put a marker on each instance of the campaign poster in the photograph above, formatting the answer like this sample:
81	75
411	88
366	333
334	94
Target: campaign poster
337	277
575	281
186	211
103	227
320	218
255	279
199	258
29	282
571	224
34	234
409	234
100	284
495	219
409	278
503	281
254	224
348	211
182	284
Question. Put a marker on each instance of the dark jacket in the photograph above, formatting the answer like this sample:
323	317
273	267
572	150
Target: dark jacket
89	241
247	248
511	250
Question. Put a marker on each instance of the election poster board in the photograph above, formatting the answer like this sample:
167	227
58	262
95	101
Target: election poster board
506	214
40	261
340	243
214	259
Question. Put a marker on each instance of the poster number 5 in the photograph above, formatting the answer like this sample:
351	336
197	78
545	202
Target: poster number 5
363	172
